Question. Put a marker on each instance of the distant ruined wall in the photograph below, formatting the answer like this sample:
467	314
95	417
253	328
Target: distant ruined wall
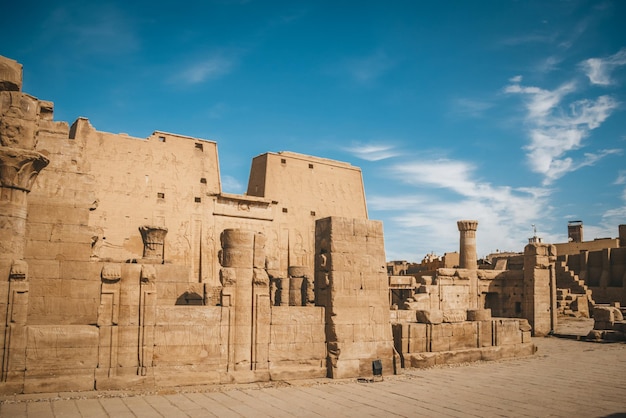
571	248
604	272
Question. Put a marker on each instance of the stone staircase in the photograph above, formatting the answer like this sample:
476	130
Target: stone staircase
569	290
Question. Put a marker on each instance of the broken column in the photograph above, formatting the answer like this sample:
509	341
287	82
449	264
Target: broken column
351	283
467	250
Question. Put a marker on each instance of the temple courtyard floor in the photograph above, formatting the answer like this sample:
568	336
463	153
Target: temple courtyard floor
565	378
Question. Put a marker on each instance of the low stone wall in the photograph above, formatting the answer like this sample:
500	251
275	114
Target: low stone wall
425	345
297	343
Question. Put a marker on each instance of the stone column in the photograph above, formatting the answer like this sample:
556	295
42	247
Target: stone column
297	285
153	242
467	250
237	260
261	311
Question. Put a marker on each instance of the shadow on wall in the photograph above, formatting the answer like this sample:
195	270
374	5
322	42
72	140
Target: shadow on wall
190	298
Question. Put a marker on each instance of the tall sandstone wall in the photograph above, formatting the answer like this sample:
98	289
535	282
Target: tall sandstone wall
111	274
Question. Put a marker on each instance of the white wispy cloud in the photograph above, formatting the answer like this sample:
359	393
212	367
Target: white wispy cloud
428	217
621	177
372	151
554	131
599	70
206	68
541	101
548	64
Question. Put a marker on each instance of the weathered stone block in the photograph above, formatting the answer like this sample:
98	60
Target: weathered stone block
457	356
454	315
186	354
607	314
186	375
289	351
463	341
297	315
417	345
417	330
430	317
189	315
345	368
507	332
478	314
439	343
58	380
313	369
421	360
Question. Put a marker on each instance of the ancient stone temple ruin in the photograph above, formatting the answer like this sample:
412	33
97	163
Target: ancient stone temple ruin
123	264
460	314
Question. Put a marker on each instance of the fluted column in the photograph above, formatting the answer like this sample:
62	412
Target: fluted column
467	250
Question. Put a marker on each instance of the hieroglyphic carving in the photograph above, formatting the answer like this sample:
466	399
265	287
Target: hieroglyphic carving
13	359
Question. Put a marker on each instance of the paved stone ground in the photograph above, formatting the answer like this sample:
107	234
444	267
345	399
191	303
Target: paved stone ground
566	378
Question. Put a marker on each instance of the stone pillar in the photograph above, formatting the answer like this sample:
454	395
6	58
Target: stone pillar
622	235
236	275
297	285
352	284
153	242
539	303
261	311
467	250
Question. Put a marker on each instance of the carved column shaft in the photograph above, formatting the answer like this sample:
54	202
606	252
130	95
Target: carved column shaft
467	250
237	260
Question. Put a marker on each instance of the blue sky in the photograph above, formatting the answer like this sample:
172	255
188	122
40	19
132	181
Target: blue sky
509	112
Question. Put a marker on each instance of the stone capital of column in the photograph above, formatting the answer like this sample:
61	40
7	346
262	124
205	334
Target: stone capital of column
467	225
153	241
19	168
